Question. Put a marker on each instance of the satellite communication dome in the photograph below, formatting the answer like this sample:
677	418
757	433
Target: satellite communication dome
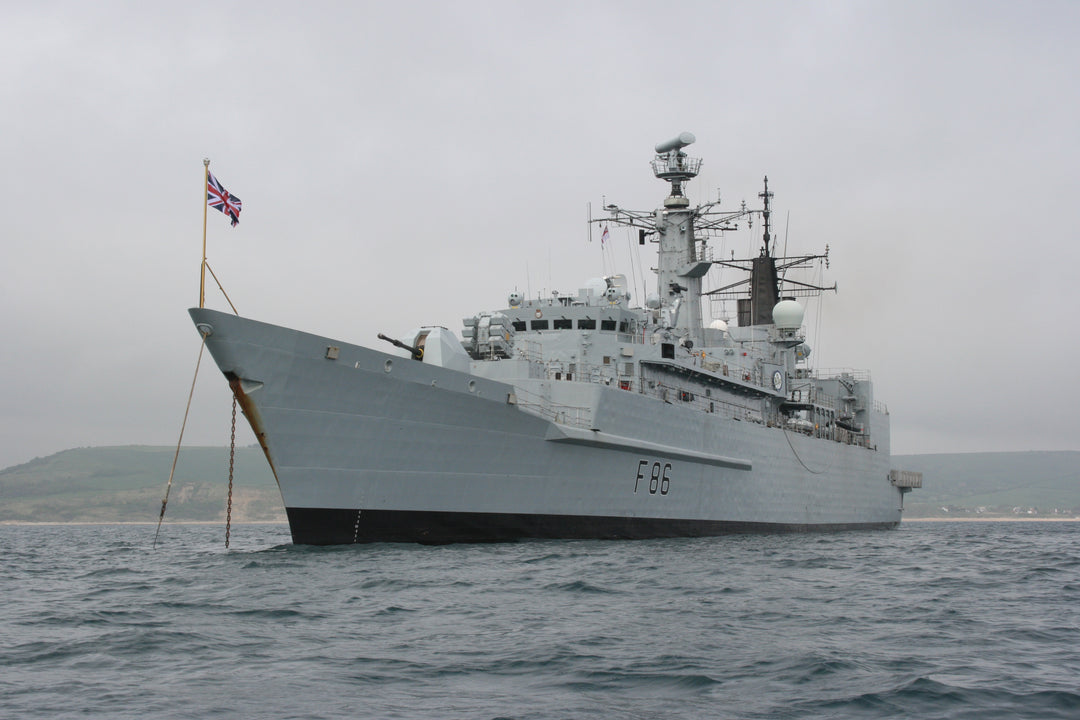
787	315
653	301
718	325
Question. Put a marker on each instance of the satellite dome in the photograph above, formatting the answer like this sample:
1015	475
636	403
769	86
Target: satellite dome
718	325
787	315
653	301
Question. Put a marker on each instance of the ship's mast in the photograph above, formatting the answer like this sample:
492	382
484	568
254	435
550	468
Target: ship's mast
764	293
684	258
764	281
766	196
680	270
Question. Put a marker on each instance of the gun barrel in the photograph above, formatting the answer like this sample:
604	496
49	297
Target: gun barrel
417	353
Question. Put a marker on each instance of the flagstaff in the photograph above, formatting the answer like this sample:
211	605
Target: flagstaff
202	267
221	199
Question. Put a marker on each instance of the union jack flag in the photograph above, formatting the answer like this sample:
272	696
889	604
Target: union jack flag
221	199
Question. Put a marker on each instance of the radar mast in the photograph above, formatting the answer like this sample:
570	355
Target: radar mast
685	257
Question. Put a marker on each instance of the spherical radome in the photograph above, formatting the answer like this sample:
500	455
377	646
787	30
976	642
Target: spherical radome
788	315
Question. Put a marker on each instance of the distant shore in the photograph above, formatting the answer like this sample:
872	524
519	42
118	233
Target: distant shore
141	522
992	519
285	522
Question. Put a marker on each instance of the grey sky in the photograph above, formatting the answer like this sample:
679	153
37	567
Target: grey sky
411	163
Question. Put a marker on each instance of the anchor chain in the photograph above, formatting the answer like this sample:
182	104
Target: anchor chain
232	462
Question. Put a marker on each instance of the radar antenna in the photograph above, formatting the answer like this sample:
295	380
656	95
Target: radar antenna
673	165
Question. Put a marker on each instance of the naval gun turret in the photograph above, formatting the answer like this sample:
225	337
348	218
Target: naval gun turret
417	351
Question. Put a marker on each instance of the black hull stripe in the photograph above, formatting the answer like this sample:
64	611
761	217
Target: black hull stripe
318	526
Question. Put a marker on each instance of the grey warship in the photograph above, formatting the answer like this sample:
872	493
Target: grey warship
579	415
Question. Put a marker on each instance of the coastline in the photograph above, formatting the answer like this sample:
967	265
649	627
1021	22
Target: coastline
992	519
141	522
283	521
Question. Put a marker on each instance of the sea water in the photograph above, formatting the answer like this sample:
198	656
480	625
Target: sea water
933	620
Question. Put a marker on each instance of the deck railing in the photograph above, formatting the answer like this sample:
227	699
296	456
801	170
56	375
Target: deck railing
574	416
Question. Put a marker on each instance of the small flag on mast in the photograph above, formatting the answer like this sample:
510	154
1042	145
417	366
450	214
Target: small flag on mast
221	199
604	236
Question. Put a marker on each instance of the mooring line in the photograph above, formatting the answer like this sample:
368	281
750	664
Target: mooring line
168	487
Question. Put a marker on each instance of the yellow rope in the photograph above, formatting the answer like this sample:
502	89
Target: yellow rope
222	289
168	487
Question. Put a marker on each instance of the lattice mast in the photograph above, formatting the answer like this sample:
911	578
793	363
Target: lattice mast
684	257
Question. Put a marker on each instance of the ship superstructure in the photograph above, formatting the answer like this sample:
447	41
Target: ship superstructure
755	371
580	414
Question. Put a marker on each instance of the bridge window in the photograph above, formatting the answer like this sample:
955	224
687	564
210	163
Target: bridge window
519	325
586	324
562	324
607	325
539	325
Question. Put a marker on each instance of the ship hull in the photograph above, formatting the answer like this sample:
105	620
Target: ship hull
372	447
332	526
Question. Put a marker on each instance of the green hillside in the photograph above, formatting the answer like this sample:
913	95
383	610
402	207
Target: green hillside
1020	484
126	484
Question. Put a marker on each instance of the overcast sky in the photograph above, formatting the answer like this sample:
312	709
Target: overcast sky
412	163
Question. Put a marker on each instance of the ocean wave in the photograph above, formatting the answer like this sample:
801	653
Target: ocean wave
853	625
932	696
